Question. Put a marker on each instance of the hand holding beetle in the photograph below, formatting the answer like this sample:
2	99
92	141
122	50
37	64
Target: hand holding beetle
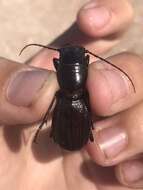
26	93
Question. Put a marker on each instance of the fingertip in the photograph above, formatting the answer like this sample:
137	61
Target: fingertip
130	173
93	20
43	59
102	18
110	140
112	89
26	92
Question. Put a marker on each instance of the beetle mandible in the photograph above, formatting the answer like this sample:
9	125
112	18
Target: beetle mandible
72	123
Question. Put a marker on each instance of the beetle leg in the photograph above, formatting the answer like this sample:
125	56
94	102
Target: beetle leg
89	109
87	60
56	97
92	126
91	137
43	121
38	130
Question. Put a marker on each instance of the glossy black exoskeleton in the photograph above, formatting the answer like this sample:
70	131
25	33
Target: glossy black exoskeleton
71	121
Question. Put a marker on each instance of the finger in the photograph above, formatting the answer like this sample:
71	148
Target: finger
43	59
118	16
110	90
130	173
25	92
118	138
100	18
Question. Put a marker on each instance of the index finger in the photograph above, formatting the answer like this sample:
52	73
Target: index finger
110	90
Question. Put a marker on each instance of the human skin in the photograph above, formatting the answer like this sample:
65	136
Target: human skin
26	93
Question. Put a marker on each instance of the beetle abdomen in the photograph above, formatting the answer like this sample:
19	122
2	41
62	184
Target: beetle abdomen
71	125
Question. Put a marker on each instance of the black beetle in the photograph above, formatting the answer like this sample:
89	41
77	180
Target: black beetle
71	121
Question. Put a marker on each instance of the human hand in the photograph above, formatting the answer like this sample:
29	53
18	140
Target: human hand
45	166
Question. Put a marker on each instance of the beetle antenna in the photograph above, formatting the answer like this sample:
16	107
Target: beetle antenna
108	62
39	45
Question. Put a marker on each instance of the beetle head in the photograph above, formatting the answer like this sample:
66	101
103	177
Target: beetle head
72	55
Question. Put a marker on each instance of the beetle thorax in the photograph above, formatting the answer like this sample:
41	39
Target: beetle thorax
72	78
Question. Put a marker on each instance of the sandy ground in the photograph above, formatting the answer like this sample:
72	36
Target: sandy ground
26	21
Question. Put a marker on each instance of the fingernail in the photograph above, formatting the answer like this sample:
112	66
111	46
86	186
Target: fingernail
132	171
24	86
111	141
90	5
97	15
116	82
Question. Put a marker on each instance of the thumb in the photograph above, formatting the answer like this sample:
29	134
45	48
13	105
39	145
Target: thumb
25	92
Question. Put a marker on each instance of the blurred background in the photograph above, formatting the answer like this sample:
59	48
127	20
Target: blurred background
26	21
